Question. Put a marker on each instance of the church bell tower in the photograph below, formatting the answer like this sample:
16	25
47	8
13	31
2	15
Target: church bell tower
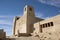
28	10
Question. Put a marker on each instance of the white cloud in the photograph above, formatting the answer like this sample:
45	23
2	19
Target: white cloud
5	16
41	15
46	17
8	16
38	14
51	2
5	22
6	25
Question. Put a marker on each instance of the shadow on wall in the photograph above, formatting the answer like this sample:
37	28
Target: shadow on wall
32	28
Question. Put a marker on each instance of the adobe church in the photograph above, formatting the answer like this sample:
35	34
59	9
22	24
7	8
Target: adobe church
29	25
24	25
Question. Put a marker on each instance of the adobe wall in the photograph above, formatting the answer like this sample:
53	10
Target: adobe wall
2	35
47	27
20	24
55	27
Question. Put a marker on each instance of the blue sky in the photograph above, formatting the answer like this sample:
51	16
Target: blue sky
10	8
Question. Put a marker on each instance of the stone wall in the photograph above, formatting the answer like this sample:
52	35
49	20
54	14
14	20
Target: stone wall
2	35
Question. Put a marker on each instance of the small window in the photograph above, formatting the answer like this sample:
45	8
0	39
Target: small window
40	25
51	23
48	24
17	18
43	25
25	9
30	9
